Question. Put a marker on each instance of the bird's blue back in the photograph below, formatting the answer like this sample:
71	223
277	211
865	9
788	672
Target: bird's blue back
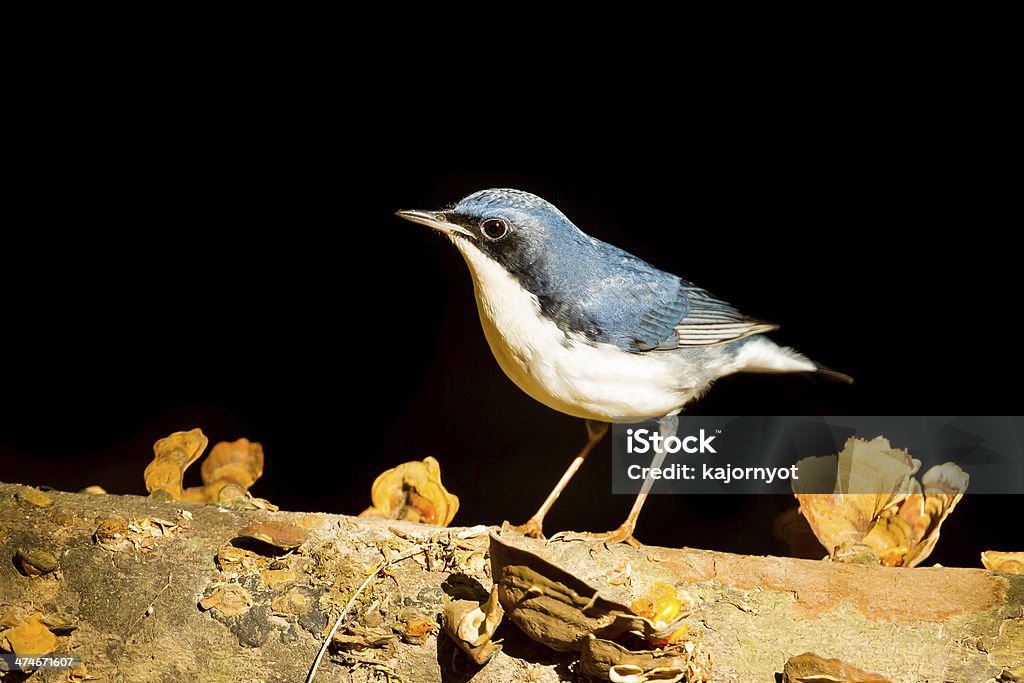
583	284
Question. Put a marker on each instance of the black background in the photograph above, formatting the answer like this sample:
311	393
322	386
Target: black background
237	267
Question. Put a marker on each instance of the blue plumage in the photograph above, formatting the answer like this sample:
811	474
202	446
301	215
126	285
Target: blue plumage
594	289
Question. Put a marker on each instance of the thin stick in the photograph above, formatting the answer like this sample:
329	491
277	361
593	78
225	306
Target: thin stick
341	617
148	607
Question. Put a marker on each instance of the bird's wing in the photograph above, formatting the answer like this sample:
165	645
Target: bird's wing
693	317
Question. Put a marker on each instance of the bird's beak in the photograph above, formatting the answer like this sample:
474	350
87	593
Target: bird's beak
435	220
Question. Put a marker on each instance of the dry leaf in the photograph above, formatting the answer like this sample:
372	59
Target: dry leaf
30	637
608	661
906	534
472	625
870	477
810	668
173	455
412	492
1011	563
558	609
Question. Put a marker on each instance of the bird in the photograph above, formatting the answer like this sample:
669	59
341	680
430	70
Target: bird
593	331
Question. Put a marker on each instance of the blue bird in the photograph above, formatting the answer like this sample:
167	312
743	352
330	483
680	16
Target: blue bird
592	331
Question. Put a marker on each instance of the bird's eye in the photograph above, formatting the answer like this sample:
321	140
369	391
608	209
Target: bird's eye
494	228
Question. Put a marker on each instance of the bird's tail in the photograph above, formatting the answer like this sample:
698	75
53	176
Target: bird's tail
832	374
760	354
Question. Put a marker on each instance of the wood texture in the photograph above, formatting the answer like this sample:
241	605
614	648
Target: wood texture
136	604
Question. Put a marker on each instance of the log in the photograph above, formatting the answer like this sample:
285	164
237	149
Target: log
164	591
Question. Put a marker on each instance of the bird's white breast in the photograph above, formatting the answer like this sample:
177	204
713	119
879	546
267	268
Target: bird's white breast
562	370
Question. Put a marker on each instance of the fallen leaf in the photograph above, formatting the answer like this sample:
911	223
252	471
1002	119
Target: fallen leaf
412	492
556	608
605	660
9	619
471	625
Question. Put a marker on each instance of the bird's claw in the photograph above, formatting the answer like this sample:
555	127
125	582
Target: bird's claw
624	534
533	528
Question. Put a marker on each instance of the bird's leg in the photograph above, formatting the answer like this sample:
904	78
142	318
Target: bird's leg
534	527
667	427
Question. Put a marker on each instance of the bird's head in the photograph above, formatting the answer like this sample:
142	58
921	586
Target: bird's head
516	229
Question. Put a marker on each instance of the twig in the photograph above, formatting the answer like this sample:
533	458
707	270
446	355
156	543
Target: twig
341	617
148	607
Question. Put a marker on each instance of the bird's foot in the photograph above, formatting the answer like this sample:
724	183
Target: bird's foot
533	528
624	534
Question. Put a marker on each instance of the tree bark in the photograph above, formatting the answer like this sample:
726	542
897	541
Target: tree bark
177	596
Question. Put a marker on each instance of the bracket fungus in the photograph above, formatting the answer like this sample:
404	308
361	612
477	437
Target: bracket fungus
412	492
877	512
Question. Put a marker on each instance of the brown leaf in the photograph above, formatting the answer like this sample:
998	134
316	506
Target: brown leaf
605	660
558	609
413	492
472	624
173	455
